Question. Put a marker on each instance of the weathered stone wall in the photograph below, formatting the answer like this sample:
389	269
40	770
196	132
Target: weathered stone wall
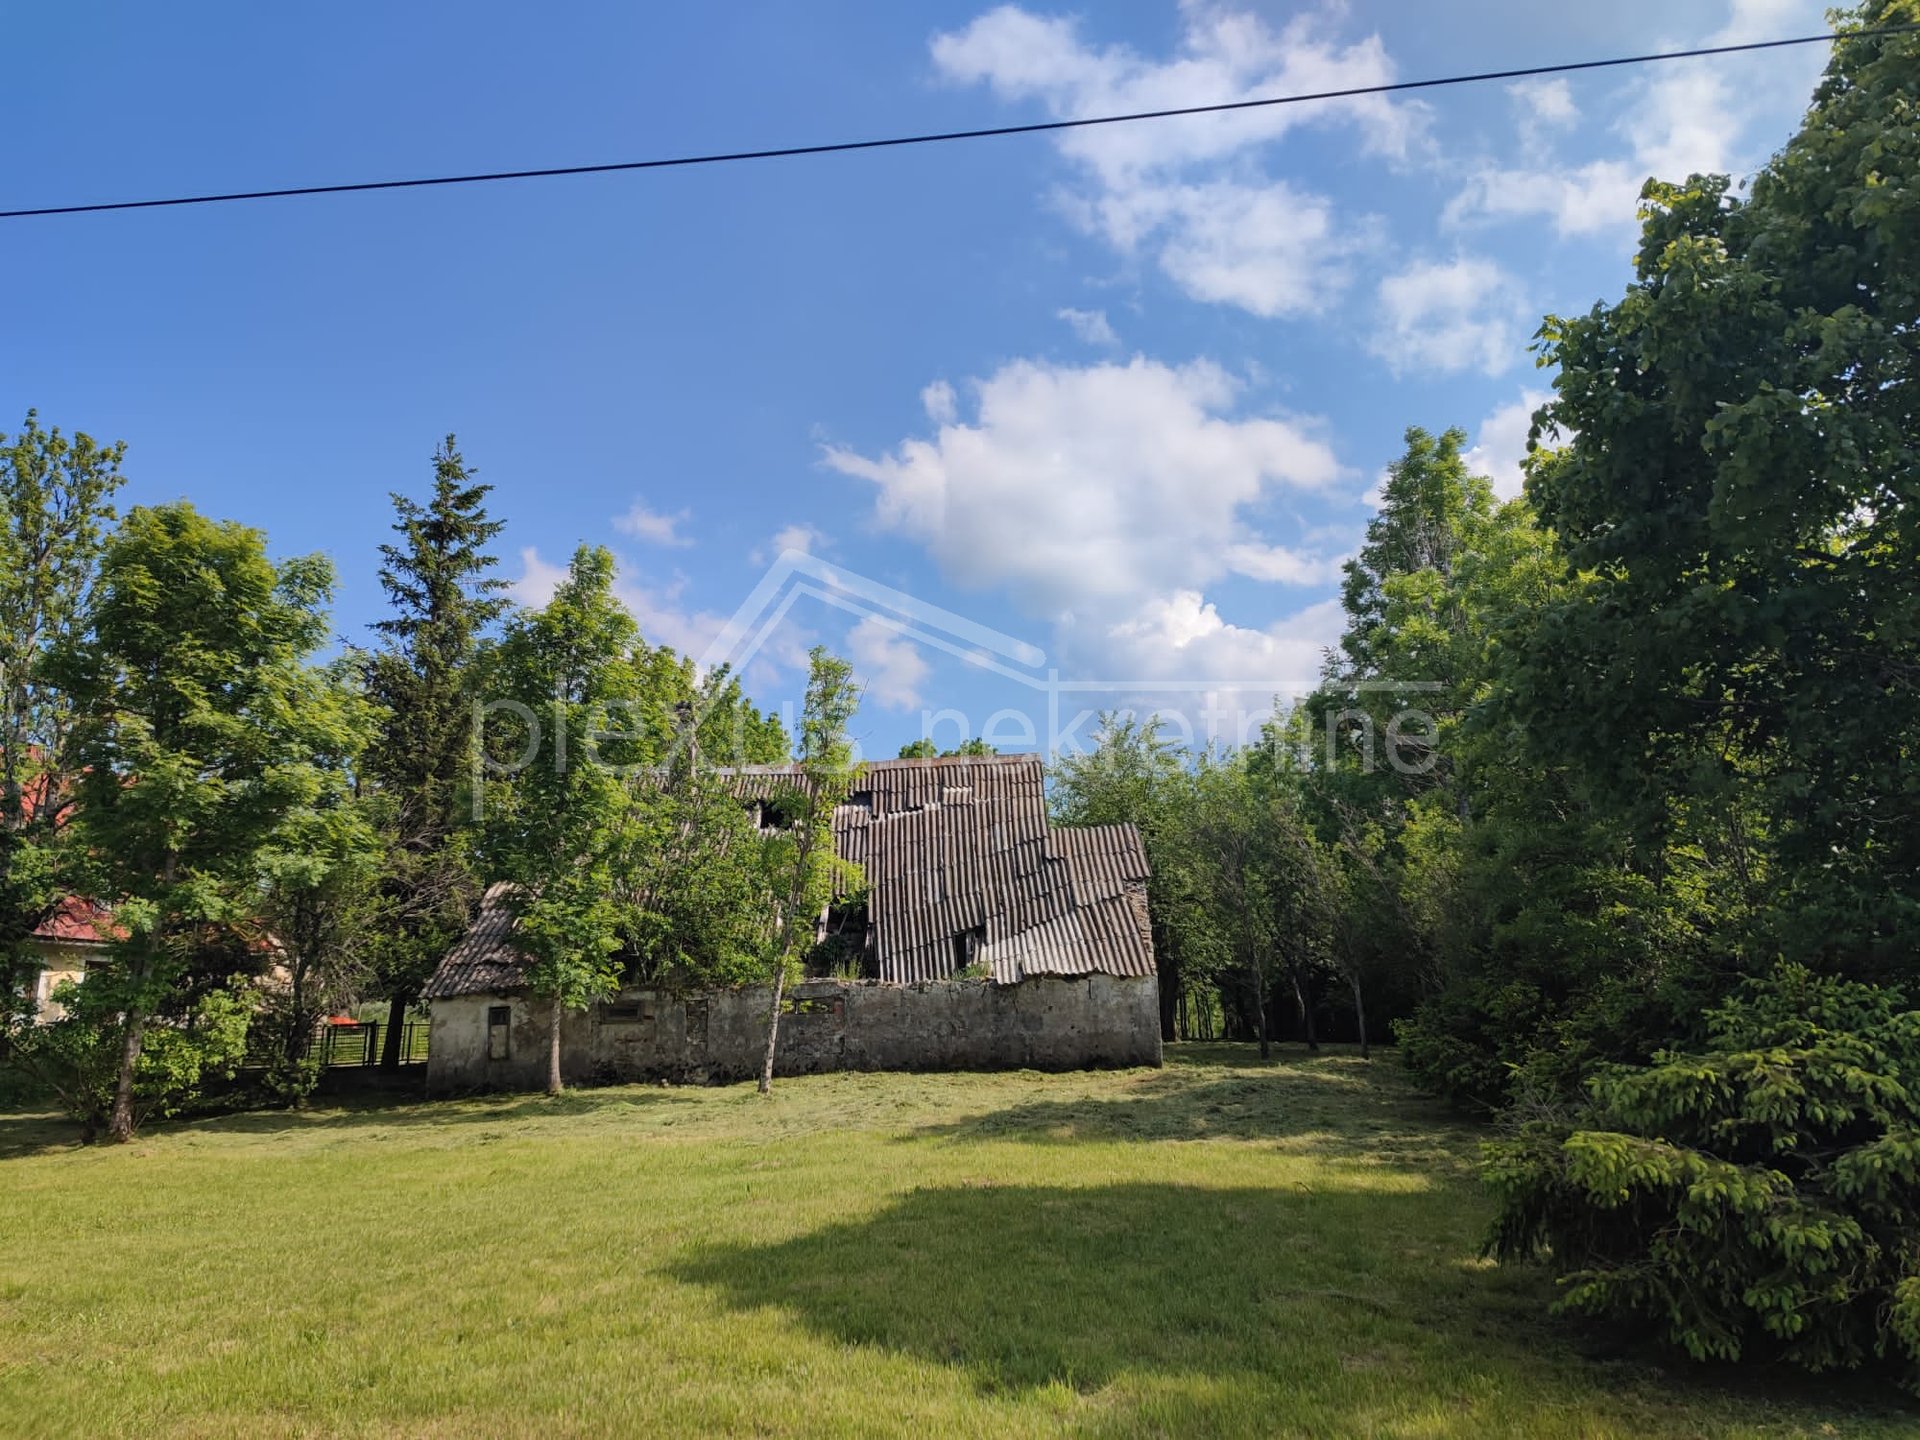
1044	1024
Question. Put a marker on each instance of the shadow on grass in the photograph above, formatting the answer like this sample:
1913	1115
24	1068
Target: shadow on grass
1290	1311
1226	1093
1025	1286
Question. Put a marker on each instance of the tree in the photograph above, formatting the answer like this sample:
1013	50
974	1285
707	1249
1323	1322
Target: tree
1132	776
1759	1199
800	854
925	749
1739	487
423	681
199	729
559	826
699	907
320	878
55	502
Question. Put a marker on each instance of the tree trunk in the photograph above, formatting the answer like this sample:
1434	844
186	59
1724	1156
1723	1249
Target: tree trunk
396	1027
554	1083
1260	1015
120	1119
1169	995
773	1027
1360	1015
1306	1013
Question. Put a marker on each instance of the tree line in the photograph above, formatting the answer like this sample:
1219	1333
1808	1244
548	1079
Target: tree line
1609	797
272	833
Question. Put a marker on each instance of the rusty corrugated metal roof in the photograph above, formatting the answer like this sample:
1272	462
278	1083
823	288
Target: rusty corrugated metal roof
961	866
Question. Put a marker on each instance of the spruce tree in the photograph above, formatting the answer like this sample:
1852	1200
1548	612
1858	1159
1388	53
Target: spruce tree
422	677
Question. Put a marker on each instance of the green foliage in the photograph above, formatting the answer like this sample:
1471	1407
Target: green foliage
559	824
1759	1198
320	899
422	683
200	732
925	749
56	498
800	861
200	1035
1743	661
1133	776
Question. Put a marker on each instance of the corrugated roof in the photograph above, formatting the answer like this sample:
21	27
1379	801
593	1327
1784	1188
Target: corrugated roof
961	866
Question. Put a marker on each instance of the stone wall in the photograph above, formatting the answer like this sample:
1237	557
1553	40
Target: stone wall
1045	1023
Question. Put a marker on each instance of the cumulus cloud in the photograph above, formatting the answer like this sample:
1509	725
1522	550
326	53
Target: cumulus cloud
1183	634
1189	191
887	664
1073	485
1282	565
1501	443
538	579
1090	325
1445	317
807	539
653	527
1108	500
659	609
1675	119
1545	101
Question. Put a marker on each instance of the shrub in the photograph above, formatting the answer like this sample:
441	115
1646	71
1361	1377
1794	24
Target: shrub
1759	1200
76	1057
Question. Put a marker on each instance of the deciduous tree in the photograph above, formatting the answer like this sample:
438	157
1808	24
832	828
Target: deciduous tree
200	727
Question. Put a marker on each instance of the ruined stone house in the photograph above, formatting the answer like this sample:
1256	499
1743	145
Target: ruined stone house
991	940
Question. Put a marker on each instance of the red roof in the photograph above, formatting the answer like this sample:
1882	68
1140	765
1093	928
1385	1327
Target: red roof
79	921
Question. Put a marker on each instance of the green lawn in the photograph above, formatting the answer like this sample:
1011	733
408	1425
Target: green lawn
1219	1247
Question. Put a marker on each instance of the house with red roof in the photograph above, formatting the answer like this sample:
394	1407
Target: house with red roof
75	937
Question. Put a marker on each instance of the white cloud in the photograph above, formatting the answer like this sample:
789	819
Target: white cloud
1675	119
1280	565
807	539
1502	443
939	402
1090	325
538	579
1183	635
651	526
1272	250
1544	101
1190	189
1464	314
886	663
658	610
1075	486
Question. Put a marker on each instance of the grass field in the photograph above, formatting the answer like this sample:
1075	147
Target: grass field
1219	1247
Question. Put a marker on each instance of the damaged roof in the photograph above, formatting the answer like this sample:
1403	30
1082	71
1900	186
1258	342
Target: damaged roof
961	866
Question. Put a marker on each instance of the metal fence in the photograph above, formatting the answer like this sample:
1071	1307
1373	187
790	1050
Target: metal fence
359	1044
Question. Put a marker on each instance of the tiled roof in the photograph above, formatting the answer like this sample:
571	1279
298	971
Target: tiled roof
961	866
78	921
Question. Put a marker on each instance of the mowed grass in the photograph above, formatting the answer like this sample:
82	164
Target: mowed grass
1219	1247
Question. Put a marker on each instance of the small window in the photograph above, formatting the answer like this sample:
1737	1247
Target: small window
499	1025
619	1014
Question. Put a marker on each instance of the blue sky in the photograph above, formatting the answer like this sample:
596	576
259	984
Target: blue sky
1120	394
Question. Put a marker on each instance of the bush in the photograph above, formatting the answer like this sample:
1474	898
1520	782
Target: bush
1759	1200
76	1058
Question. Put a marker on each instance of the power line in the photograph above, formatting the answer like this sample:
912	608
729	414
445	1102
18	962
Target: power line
788	152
